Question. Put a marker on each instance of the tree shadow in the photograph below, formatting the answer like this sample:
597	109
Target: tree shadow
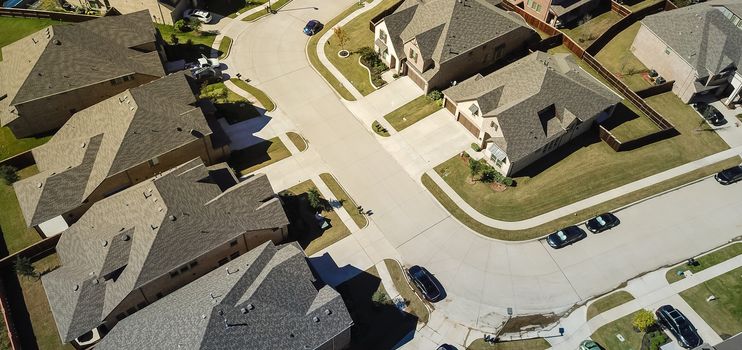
590	137
304	226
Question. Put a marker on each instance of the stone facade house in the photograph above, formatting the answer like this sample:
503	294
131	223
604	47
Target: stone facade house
561	13
135	247
57	71
266	299
113	145
438	42
526	110
699	47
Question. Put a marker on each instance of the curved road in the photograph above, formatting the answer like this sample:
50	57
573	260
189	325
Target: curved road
482	277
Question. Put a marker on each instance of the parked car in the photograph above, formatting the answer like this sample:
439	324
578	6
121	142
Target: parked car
565	237
589	345
729	176
602	222
425	282
313	27
684	331
446	347
200	15
701	107
208	62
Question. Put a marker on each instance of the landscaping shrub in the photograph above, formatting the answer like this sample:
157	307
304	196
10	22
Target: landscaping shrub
9	174
644	320
182	26
379	297
174	39
475	147
475	167
435	95
371	60
489	175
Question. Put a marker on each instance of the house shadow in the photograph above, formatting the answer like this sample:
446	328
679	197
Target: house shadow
18	309
588	138
236	112
242	134
188	52
226	7
304	225
621	114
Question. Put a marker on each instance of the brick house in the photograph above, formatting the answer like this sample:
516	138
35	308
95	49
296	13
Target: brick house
561	13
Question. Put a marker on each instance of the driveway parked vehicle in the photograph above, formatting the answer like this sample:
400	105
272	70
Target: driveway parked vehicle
602	222
426	283
729	176
200	15
446	347
589	345
710	113
313	27
684	331
565	237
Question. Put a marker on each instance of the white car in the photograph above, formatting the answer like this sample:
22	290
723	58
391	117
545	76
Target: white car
200	15
208	62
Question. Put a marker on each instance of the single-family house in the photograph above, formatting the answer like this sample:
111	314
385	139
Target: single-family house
699	47
162	11
439	42
526	110
113	145
561	13
135	247
64	68
266	299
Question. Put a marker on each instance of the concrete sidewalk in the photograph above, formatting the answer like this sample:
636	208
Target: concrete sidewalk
585	203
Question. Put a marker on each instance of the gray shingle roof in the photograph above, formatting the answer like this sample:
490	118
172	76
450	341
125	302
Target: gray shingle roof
701	35
516	93
169	221
445	29
267	300
65	57
106	139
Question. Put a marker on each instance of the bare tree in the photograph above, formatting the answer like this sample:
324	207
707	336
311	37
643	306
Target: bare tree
342	37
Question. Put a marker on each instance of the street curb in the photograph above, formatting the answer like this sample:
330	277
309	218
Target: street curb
264	15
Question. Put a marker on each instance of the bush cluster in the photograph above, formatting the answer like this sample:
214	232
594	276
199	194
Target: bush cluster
370	59
488	173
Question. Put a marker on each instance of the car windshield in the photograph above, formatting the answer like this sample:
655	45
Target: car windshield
562	236
600	220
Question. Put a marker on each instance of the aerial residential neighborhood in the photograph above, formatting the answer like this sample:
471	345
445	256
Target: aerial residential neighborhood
374	174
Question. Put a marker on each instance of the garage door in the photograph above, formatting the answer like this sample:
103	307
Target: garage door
468	125
450	106
412	73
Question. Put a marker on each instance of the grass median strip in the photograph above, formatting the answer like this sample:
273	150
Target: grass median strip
415	304
412	112
297	140
347	202
224	46
257	156
580	216
261	96
716	257
724	314
608	302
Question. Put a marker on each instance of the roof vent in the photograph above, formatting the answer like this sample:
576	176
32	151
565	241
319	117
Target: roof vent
171	217
82	145
57	42
39	185
250	306
179	129
221	312
121	229
291	335
105	243
315	319
95	281
328	312
40	74
203	317
153	226
243	310
125	238
76	287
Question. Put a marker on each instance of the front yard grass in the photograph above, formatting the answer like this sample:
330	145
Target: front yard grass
608	302
358	36
224	46
412	112
18	28
12	225
261	96
257	156
617	57
528	344
200	43
724	314
586	33
606	335
716	257
416	305
581	215
345	200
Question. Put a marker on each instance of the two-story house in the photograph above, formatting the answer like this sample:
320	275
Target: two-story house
561	13
162	11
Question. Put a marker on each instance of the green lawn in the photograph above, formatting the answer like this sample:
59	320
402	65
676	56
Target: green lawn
257	156
297	140
724	314
379	129
412	112
629	123
201	41
261	96
606	335
586	33
581	215
416	305
347	202
617	57
358	35
14	230
303	226
4	340
638	5
706	261
314	58
529	344
233	107
17	28
10	146
224	46
275	5
608	302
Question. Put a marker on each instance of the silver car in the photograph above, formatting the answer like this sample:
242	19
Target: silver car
200	15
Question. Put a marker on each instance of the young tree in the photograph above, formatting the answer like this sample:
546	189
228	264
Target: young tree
488	175
340	34
24	267
475	167
314	198
644	320
8	173
194	24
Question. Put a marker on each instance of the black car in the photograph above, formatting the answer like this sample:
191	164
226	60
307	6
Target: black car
729	176
313	27
674	320
602	222
565	237
701	107
425	282
446	347
713	115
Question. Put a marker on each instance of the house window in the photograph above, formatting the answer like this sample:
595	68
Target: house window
193	264
234	255
494	125
499	162
131	310
233	243
173	273
413	55
141	305
154	161
382	36
499	51
223	261
120	316
184	269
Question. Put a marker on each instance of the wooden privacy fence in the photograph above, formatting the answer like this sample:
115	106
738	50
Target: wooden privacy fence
31	252
608	138
656	90
20	161
59	16
620	9
9	324
621	25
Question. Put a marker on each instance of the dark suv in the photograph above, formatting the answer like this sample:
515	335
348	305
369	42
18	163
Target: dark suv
729	176
425	282
684	331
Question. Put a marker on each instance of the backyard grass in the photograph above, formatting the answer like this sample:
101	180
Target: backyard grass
345	200
608	302
201	43
412	112
224	46
586	33
4	340
640	4
297	140
416	305
581	215
314	58
233	107
17	28
606	335
261	96
379	129
724	314
629	123
705	261
275	6
10	146
304	227
257	156
617	57
529	344
12	225
358	35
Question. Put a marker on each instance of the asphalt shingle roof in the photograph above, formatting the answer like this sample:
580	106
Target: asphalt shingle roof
106	139
265	299
145	232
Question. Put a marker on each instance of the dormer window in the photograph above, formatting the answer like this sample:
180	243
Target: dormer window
474	110
382	36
